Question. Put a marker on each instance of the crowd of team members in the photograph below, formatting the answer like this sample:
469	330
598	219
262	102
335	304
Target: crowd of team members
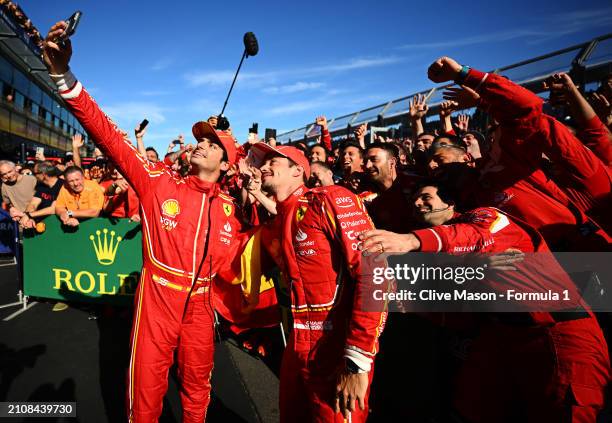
433	191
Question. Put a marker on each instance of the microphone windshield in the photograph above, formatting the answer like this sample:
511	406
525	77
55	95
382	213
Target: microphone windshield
250	44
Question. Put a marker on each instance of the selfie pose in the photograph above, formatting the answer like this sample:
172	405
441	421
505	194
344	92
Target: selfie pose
190	234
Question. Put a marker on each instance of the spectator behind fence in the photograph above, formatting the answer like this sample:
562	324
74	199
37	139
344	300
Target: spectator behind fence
79	198
120	198
47	190
17	189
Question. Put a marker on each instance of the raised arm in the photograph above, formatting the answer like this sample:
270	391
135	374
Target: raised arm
77	143
102	130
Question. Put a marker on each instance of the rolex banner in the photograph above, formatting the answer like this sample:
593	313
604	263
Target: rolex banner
98	261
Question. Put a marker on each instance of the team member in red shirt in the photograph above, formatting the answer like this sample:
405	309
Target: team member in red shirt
328	361
190	233
547	364
120	198
512	178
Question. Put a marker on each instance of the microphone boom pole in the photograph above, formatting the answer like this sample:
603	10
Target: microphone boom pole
244	55
251	48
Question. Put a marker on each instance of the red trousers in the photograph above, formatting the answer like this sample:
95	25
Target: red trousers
308	389
535	374
165	320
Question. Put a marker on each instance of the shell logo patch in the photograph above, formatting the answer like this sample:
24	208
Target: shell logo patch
171	208
227	209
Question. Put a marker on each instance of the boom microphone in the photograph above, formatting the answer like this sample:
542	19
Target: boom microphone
439	210
251	48
250	44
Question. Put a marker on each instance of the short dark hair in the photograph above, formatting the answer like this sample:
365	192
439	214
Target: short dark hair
430	134
321	164
153	150
72	169
454	139
445	192
390	148
327	153
351	143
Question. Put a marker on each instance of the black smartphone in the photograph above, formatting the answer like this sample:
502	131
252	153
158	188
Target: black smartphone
270	133
73	23
175	142
143	125
253	129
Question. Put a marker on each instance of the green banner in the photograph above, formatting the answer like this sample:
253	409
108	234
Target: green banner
98	261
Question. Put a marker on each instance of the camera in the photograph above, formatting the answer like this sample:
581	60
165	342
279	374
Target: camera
222	123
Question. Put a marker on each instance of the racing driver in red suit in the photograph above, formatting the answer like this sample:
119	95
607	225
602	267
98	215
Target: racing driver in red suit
548	363
327	366
190	233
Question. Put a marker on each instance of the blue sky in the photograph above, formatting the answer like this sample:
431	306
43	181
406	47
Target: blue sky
172	62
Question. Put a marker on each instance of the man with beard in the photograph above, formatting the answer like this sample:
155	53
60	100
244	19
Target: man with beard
320	175
393	190
548	363
511	177
190	235
327	365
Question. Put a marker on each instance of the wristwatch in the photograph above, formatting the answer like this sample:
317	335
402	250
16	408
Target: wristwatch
69	213
353	368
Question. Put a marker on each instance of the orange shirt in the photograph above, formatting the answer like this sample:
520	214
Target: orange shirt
92	197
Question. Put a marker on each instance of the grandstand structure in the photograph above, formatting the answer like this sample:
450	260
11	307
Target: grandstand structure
32	114
587	63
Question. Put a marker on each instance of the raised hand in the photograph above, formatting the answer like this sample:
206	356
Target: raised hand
418	107
140	133
77	141
463	122
465	97
447	107
602	107
322	122
444	69
56	56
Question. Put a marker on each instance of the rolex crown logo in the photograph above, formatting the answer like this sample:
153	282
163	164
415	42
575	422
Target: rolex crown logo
106	249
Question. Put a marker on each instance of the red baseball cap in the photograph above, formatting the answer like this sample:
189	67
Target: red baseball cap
260	150
204	129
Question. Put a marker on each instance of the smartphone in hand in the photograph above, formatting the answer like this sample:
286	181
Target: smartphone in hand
73	23
142	125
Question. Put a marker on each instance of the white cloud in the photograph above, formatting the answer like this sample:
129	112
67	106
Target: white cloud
357	63
131	113
294	88
162	64
545	28
225	77
466	41
298	106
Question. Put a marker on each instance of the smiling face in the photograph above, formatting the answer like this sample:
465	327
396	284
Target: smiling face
379	166
8	174
279	174
430	208
208	156
320	176
75	182
424	142
352	161
318	154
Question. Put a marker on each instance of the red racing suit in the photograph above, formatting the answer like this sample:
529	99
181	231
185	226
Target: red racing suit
190	233
552	368
314	240
517	184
